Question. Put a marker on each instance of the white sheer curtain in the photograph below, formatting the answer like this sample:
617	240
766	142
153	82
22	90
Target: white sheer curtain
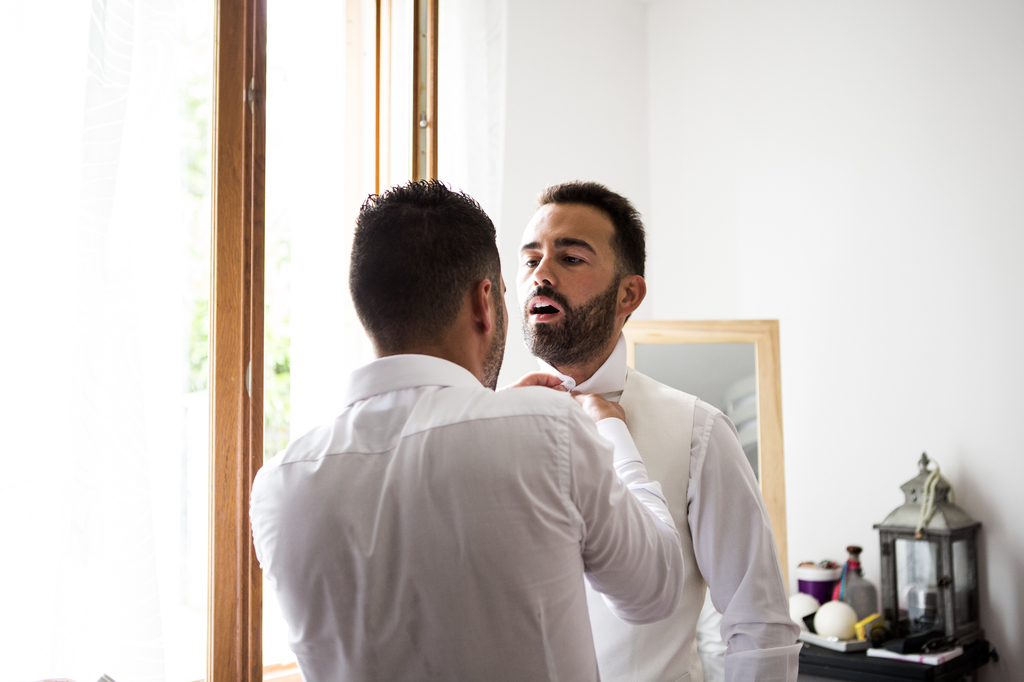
94	275
472	47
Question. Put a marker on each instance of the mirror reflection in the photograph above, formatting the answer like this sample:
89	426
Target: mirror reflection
733	365
721	374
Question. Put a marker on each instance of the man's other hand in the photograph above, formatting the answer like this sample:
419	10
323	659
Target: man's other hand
598	408
537	379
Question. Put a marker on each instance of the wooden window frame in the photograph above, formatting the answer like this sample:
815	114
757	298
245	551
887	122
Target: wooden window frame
235	594
424	89
235	586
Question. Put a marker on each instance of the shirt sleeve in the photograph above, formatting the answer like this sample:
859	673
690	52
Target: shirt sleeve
632	471
735	551
630	553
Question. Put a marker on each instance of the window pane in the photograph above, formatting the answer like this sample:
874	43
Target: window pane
105	275
320	168
917	584
964	579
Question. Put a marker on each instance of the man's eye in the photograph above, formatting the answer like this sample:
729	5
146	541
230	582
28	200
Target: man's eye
530	263
573	260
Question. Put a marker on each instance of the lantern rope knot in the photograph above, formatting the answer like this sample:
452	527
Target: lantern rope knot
928	507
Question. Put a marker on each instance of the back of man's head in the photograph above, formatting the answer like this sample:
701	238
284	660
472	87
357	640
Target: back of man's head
416	251
629	241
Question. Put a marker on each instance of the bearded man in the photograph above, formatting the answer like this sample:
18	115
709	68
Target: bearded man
581	274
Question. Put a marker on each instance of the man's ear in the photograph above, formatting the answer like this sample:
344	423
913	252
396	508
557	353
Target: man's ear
480	306
632	291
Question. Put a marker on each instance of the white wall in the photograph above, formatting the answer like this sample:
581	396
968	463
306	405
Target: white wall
856	170
576	109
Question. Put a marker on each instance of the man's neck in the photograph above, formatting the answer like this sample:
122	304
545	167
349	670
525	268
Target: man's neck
457	353
584	371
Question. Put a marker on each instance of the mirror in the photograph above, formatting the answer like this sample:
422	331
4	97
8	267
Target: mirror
733	365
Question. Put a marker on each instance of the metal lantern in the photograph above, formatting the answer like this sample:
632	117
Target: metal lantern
929	550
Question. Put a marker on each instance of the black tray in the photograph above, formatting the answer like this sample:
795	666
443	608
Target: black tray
860	667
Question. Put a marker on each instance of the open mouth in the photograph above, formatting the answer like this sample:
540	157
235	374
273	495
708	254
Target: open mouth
543	309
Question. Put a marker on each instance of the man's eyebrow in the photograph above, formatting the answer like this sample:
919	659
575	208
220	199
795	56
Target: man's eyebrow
561	243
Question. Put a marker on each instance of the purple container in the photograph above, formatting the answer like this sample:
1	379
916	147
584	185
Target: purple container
817	582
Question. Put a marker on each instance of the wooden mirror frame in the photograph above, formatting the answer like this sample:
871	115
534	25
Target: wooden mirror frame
764	334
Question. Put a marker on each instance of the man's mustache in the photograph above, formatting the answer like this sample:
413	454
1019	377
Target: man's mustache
546	292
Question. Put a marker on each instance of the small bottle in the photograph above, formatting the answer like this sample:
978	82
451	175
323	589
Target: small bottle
853	589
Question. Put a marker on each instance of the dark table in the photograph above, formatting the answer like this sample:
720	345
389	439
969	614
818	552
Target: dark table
860	667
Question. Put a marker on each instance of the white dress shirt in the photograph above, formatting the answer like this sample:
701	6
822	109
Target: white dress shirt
437	529
732	539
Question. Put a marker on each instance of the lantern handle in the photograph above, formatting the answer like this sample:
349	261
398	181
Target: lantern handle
930	483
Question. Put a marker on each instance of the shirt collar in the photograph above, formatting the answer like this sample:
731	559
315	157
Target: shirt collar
609	377
395	372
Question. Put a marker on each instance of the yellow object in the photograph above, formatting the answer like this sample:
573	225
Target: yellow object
865	627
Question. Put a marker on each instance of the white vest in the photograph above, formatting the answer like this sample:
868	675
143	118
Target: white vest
660	419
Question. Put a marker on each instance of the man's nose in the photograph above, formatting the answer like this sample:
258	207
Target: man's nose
543	275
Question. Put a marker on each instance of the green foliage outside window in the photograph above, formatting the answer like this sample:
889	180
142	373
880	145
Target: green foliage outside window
197	113
277	346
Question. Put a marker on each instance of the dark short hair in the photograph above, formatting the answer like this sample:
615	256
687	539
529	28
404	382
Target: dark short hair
629	239
416	251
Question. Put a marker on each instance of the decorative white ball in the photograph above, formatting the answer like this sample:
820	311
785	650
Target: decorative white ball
836	619
801	605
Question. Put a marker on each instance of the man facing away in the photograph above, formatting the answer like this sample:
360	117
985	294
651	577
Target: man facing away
437	529
580	276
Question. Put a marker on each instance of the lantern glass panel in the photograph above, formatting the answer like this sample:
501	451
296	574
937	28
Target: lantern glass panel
917	584
963	575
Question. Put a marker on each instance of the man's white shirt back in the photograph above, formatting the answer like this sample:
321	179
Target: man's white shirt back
439	529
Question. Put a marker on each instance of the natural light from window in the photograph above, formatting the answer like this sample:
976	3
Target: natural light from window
106	279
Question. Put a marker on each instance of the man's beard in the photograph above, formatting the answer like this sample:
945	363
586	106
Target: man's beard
580	336
496	353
